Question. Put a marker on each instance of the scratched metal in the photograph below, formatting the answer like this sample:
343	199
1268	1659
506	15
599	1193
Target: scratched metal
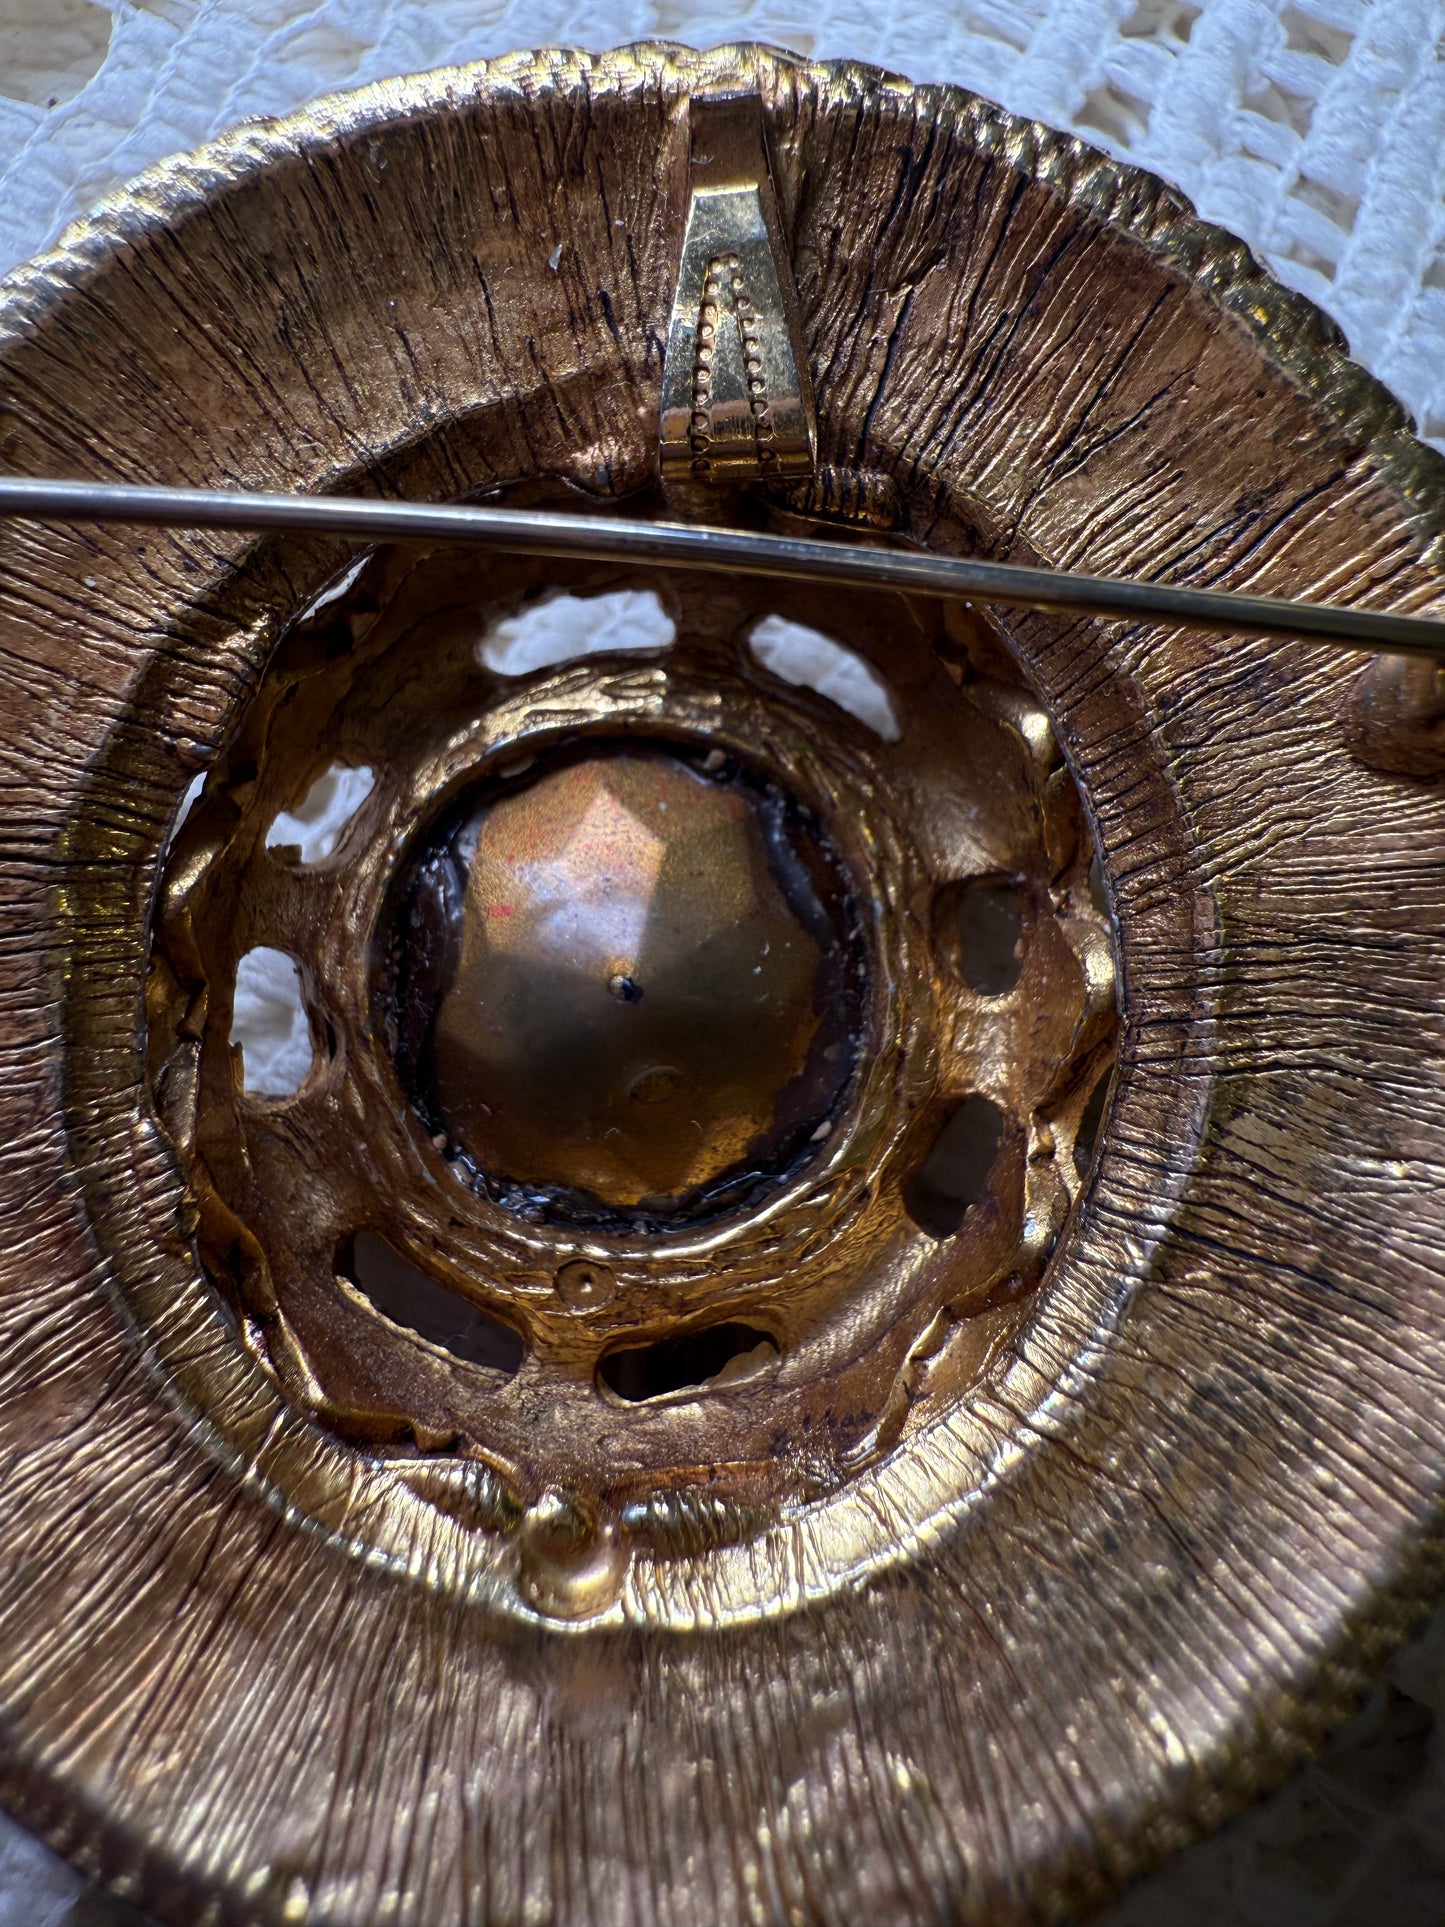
1130	1565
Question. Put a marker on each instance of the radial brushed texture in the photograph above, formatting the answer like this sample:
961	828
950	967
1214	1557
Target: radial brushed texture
1142	1568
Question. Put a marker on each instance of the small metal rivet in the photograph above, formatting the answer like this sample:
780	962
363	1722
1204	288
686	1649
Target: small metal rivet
584	1285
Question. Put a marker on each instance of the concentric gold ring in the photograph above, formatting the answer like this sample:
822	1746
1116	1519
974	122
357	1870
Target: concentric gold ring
247	1664
754	1354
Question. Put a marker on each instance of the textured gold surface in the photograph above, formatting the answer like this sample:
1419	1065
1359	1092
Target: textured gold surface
690	1379
737	399
1128	1567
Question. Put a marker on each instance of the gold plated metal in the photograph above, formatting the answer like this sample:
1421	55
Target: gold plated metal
639	985
654	1040
955	1515
737	400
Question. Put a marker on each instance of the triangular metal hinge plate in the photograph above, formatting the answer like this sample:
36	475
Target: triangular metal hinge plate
737	404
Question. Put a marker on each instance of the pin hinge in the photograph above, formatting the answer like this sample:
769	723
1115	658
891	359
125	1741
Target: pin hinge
737	403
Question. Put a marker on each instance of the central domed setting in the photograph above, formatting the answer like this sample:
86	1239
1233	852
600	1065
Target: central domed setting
631	981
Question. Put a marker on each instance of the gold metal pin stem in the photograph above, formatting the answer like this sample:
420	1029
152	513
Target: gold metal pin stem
598	538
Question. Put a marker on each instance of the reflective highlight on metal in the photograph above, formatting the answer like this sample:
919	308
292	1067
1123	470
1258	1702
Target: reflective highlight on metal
973	1514
624	978
640	1029
678	546
737	401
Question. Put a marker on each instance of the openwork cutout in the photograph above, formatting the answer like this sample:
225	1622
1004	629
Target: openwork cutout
1084	1600
652	1074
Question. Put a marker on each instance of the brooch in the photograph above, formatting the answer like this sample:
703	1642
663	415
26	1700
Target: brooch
757	1239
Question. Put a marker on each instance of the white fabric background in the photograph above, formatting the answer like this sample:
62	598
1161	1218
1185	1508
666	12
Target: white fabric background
1313	128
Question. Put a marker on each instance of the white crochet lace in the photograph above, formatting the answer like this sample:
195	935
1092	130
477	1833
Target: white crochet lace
1313	128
